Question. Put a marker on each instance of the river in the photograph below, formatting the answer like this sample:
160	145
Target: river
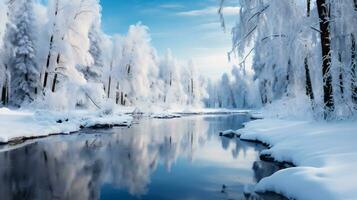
177	159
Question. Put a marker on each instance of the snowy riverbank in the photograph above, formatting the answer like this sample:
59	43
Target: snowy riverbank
22	124
25	124
325	155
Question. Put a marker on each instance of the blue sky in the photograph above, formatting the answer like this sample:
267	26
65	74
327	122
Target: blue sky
190	28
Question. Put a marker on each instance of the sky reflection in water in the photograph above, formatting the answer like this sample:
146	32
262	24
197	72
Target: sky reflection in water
155	159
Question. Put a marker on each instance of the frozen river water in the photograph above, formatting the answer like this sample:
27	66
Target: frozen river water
176	159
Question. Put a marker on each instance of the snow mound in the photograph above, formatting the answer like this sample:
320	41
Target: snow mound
106	121
325	154
256	115
165	115
21	124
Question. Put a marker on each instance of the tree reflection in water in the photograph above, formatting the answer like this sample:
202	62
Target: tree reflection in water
78	166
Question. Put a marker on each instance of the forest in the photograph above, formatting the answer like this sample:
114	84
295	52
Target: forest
56	56
302	50
278	123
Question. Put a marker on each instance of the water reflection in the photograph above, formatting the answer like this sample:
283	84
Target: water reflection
155	159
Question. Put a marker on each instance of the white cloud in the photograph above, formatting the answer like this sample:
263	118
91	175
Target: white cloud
214	64
212	10
231	10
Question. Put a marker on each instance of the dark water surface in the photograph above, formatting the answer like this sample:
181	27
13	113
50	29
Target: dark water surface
178	159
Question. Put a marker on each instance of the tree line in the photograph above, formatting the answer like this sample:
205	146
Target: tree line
56	55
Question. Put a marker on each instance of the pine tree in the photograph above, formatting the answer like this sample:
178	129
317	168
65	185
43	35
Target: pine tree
22	65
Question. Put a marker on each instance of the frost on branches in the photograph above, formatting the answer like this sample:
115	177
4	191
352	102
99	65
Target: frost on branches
301	48
20	61
56	56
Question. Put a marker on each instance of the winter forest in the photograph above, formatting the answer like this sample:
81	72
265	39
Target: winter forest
118	94
56	56
302	51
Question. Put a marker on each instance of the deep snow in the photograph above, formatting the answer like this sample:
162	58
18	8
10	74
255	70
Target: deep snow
325	155
22	124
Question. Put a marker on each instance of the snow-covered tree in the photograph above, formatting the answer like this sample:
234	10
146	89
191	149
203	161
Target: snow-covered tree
226	92
170	74
68	47
138	68
4	76
300	48
94	71
3	21
21	63
193	85
234	90
55	55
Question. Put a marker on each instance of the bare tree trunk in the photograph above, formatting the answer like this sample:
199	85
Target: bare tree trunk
117	94
355	4
45	79
308	8
3	90
170	79
340	77
128	69
117	98
4	93
58	57
56	75
326	56
122	98
50	48
54	83
110	79
109	84
308	84
48	62
353	70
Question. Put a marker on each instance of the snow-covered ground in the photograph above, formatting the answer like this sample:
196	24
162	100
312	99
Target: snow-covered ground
22	124
203	111
325	155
